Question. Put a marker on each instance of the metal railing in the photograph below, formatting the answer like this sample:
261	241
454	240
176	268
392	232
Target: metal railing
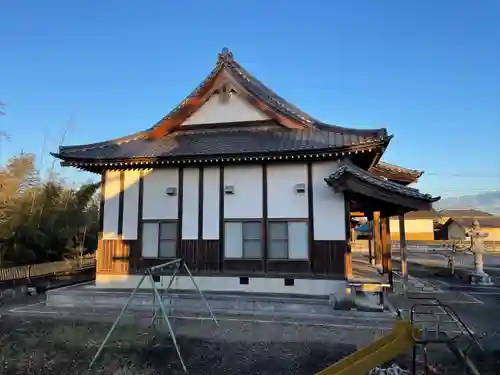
439	335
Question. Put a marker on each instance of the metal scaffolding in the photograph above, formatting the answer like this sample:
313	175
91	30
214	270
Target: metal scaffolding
149	273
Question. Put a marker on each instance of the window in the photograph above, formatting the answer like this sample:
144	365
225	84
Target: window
168	237
287	240
159	239
242	239
278	240
252	248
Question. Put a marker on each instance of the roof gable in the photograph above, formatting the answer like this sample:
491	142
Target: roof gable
225	107
229	75
230	114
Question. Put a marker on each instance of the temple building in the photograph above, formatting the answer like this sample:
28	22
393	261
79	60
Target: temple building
253	193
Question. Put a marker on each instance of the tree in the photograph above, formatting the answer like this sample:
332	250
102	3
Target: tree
43	220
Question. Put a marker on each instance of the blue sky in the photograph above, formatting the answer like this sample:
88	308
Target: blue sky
427	70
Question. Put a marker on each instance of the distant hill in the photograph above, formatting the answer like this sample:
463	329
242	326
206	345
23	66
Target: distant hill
489	202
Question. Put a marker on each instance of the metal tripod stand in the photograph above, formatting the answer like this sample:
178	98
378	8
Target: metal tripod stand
149	273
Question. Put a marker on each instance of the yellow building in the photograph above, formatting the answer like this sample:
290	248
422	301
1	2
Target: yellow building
456	228
419	225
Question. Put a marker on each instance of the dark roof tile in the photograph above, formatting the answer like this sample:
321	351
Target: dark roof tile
484	221
456	213
394	172
381	182
237	139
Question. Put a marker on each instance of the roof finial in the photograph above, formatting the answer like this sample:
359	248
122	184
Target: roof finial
225	54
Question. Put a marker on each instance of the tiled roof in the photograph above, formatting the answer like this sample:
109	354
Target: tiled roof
370	178
394	172
265	137
456	213
240	138
484	221
431	214
264	94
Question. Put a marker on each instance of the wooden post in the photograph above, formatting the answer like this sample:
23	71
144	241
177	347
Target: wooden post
370	237
377	244
403	253
383	235
348	233
388	248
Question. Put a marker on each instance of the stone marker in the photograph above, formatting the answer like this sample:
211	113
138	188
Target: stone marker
479	277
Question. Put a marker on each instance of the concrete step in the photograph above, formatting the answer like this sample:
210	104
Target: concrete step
189	303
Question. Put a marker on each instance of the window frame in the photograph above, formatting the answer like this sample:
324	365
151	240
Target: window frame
159	239
287	222
270	240
242	239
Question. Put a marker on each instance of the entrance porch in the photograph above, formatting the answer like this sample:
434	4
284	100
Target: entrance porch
377	200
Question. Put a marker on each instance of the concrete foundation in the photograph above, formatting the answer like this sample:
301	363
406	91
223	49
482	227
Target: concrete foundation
188	302
230	284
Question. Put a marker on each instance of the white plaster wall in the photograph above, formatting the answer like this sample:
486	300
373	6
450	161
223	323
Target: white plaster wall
190	200
157	205
282	199
246	202
413	225
234	110
328	206
111	204
231	284
131	204
211	203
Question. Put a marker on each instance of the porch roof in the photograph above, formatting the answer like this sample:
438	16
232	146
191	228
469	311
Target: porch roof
352	179
393	172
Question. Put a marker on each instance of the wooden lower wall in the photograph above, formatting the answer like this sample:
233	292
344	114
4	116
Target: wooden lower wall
327	258
113	256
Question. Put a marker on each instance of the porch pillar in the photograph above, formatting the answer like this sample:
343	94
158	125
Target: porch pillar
369	217
383	235
403	253
377	244
388	248
348	234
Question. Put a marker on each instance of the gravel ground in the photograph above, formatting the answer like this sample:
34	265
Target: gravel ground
63	346
49	346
